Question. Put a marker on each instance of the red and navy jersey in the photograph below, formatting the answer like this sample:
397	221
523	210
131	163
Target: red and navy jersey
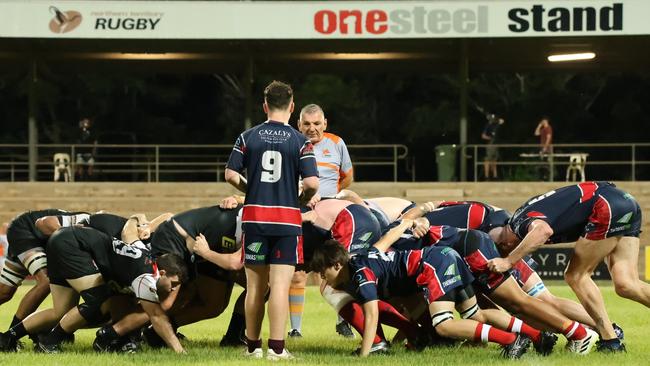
275	156
378	275
468	215
566	210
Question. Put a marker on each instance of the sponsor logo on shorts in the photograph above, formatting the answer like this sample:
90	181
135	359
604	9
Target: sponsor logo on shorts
625	219
451	270
365	237
354	247
619	228
255	247
255	257
451	281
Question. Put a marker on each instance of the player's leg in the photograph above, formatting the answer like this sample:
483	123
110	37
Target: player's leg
573	310
587	255
35	261
297	302
623	266
279	282
257	279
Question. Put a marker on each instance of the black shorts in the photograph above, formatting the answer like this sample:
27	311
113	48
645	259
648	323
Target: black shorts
21	240
67	259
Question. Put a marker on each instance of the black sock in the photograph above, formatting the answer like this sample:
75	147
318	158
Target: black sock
277	345
252	345
14	321
18	330
237	323
57	335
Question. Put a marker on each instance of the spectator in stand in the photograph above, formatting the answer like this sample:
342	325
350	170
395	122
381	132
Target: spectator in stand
85	154
489	135
545	133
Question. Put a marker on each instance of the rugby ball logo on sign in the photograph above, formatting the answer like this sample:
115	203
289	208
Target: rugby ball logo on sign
64	21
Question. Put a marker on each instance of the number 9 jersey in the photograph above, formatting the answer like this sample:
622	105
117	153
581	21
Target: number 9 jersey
275	156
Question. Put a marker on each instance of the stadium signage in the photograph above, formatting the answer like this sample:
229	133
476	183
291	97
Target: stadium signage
559	19
275	20
552	263
417	19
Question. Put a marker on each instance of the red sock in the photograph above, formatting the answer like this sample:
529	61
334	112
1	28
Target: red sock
518	326
390	316
353	314
574	331
486	333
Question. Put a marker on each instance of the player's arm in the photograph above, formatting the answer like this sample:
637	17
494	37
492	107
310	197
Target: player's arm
371	318
227	261
236	180
393	235
538	233
153	224
351	196
231	202
130	229
162	325
420	210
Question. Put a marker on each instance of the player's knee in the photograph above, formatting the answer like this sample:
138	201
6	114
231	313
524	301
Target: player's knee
626	289
299	279
93	298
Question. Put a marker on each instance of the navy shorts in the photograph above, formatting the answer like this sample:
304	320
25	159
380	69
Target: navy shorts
479	249
356	228
439	271
262	249
615	213
523	269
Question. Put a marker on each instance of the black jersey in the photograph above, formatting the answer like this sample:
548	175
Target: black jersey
218	225
109	224
22	233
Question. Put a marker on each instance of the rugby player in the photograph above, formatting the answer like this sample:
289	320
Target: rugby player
275	156
605	222
26	255
88	263
439	273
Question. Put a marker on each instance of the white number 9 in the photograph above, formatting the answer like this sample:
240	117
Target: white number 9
272	165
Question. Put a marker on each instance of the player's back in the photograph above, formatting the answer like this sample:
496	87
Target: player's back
218	225
272	157
565	209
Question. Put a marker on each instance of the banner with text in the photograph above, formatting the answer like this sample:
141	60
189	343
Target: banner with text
321	19
553	261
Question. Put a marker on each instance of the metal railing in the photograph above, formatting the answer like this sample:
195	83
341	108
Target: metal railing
615	161
156	163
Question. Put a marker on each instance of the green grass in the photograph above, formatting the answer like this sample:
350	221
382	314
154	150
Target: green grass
321	345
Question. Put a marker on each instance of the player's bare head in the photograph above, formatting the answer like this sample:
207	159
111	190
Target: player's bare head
278	96
313	110
173	265
329	255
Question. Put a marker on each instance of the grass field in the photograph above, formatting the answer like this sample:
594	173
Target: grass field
321	345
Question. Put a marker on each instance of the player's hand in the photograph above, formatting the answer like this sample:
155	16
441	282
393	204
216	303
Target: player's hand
420	227
313	201
200	245
429	206
228	203
499	264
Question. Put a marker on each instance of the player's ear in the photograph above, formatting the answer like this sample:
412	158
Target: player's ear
162	272
291	107
265	107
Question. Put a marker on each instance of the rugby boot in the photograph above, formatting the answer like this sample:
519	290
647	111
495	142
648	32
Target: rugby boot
584	345
343	328
546	343
517	348
8	343
611	346
284	355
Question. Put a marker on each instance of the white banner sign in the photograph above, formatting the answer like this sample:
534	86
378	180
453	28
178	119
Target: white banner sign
322	19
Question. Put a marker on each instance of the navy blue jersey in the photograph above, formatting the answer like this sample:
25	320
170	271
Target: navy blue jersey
378	275
570	211
275	156
468	215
